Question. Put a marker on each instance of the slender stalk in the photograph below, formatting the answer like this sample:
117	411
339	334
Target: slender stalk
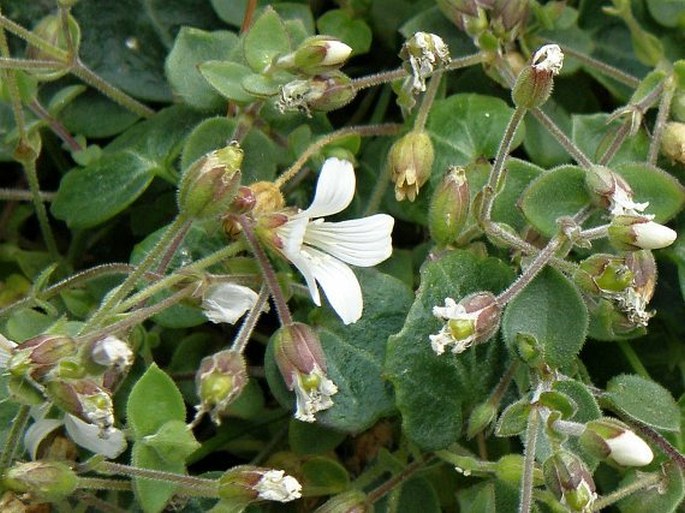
566	427
561	138
268	273
427	102
492	187
645	481
33	40
184	481
598	232
173	246
98	483
633	358
23	195
55	125
526	501
26	64
363	131
13	438
395	480
602	67
250	7
243	336
29	164
504	383
661	119
616	143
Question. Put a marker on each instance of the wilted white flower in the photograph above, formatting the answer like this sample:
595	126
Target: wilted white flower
425	52
227	302
313	393
548	58
112	352
275	485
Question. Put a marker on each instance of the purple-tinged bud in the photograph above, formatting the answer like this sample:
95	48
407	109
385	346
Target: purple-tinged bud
635	232
609	190
247	484
354	501
36	357
643	267
209	185
44	480
611	438
471	321
300	359
602	273
463	12
673	142
85	399
324	92
51	29
567	477
535	82
112	353
315	55
411	160
219	381
449	208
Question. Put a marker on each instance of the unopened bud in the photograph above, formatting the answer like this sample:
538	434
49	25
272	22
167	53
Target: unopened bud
631	233
568	478
611	438
36	357
609	190
247	484
410	159
354	501
45	480
510	467
602	273
300	359
535	82
673	141
481	417
219	381
112	352
268	197
209	185
85	399
471	321
51	29
324	92
316	54
449	208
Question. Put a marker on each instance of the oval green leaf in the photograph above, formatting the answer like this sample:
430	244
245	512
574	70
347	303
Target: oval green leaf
266	39
665	194
227	77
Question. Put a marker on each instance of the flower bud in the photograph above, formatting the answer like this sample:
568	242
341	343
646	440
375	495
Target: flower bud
410	159
462	13
602	273
316	54
45	480
471	321
219	381
84	399
609	190
324	92
481	417
535	82
51	29
570	481
300	359
449	208
611	438
112	352
36	357
424	53
249	484
210	184
354	501
634	232
673	141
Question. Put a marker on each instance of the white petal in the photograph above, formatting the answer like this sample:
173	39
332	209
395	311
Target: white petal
630	450
88	436
292	234
6	348
334	190
37	432
276	486
653	235
306	268
339	284
227	302
363	242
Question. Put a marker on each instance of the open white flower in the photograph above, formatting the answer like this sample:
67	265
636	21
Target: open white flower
227	302
320	249
276	485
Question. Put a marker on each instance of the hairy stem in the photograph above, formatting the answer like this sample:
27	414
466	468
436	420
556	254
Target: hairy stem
661	119
243	336
526	501
13	438
645	481
561	138
427	102
602	67
395	480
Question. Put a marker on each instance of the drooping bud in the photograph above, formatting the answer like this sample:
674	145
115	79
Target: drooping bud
471	321
44	480
227	302
219	381
112	352
316	54
535	82
36	357
449	208
410	159
567	477
424	53
209	185
85	399
673	142
354	501
324	92
481	417
603	273
247	484
51	29
300	359
611	438
634	232
609	190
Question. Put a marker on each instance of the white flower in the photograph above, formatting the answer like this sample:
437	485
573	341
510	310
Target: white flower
112	352
227	302
651	235
276	486
319	249
548	58
313	393
629	450
622	203
465	327
337	52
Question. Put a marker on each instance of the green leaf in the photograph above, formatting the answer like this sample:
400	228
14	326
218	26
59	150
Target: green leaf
550	309
351	31
433	390
227	77
465	127
644	400
153	495
664	498
514	419
665	194
323	476
173	442
90	195
266	39
417	495
558	401
542	147
559	192
592	134
305	438
192	48
154	401
669	13
93	115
